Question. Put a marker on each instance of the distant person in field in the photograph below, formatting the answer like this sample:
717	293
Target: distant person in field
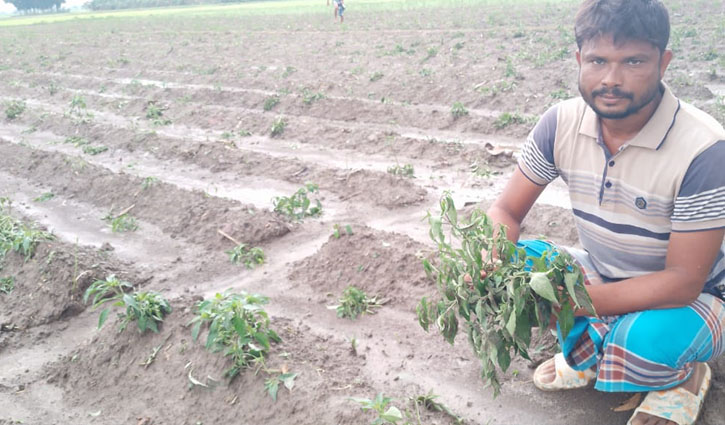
647	187
334	12
339	9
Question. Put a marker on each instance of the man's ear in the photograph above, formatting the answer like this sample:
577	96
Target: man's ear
664	62
579	57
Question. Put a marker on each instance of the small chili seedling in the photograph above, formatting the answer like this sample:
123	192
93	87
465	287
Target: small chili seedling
355	302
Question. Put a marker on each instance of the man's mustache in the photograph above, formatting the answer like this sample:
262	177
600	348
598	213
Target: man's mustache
612	92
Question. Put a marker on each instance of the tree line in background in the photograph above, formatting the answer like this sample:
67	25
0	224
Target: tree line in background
133	4
29	6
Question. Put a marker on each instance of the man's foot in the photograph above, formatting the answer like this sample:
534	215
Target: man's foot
693	385
555	375
547	371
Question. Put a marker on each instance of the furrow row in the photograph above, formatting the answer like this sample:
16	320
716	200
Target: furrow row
194	146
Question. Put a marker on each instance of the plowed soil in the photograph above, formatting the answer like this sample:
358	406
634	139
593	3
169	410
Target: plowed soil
357	99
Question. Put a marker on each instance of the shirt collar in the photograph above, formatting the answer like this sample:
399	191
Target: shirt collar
653	134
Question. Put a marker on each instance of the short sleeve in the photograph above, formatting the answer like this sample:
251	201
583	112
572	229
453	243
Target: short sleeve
700	204
537	156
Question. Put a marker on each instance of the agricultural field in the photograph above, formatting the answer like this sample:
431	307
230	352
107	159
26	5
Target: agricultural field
267	149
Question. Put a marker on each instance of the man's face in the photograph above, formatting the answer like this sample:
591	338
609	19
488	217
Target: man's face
618	80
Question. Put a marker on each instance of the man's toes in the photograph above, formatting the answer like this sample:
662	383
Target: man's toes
548	373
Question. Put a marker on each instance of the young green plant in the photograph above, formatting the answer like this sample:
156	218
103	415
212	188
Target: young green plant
250	257
149	182
270	102
355	302
276	377
278	127
510	118
94	150
7	284
15	236
375	76
77	110
272	384
386	413
147	309
337	233
429	402
238	326
458	110
121	223
155	113
14	109
46	196
298	206
308	97
498	298
406	170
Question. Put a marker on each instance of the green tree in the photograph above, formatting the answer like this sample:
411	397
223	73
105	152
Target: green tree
29	6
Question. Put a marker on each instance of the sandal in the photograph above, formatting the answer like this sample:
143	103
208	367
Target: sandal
676	404
566	377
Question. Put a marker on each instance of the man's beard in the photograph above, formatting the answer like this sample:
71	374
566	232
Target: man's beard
633	107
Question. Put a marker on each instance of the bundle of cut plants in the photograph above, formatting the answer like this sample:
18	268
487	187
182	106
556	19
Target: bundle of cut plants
500	294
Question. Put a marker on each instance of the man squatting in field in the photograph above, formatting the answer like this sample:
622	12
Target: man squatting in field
647	187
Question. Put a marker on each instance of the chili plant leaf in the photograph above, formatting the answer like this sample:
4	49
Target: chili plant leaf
262	338
523	328
392	415
511	324
102	317
153	326
240	326
273	335
272	385
365	403
541	285
566	319
142	322
424	314
130	301
503	359
571	279
288	379
448	324
195	330
436	232
211	337
584	300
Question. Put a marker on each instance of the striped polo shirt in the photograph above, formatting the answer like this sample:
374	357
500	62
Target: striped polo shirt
668	178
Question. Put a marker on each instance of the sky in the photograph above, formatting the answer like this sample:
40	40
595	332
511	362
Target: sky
9	8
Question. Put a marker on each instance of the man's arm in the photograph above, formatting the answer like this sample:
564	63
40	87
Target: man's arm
536	168
690	256
514	203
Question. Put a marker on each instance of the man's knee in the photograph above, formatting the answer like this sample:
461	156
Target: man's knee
671	337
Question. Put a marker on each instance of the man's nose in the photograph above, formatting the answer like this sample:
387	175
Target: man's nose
612	76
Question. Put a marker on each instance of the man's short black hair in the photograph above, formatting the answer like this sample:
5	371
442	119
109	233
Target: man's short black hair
645	20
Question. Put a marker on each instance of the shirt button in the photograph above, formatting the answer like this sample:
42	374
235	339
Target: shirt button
611	163
608	184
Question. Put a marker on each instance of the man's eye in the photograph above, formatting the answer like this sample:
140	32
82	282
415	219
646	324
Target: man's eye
598	61
634	62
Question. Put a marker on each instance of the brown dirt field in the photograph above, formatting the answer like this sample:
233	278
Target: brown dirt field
357	99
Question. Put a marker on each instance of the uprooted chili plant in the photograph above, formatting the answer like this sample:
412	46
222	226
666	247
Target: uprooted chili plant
500	294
